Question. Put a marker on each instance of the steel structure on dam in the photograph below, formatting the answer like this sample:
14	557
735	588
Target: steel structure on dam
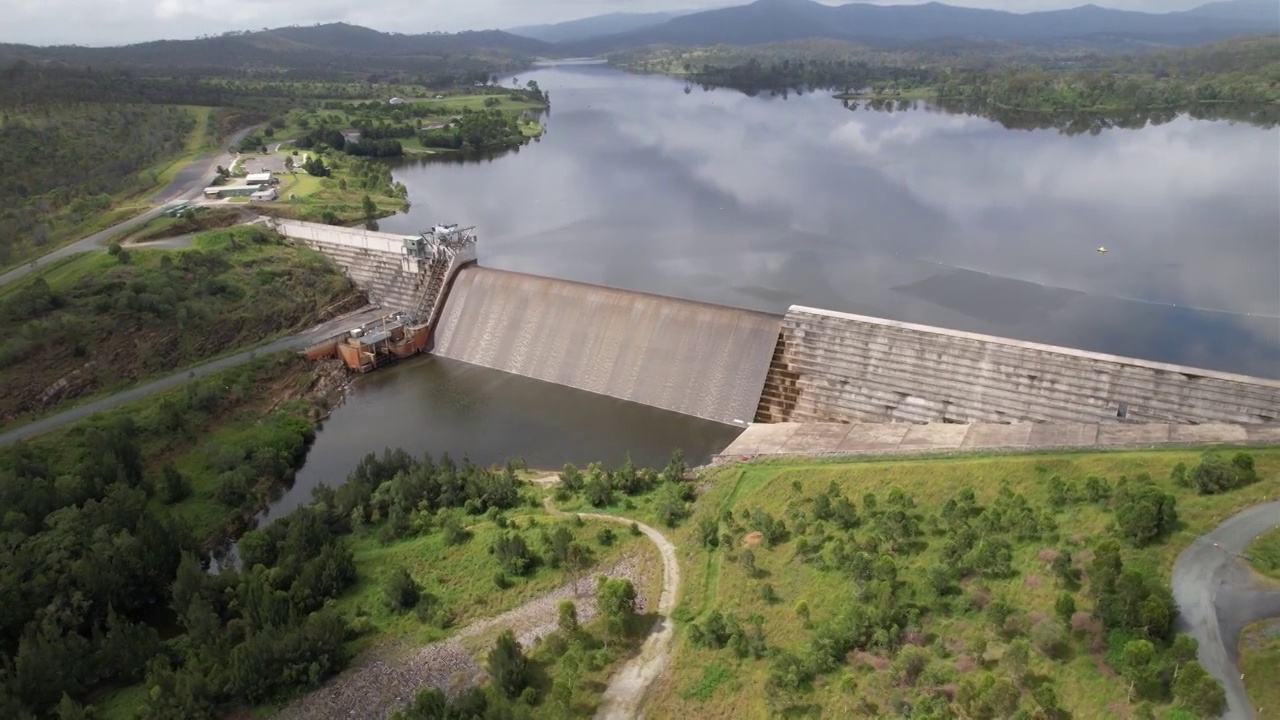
736	366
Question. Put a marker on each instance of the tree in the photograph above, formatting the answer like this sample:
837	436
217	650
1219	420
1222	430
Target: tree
1146	515
568	620
1140	667
402	592
572	670
507	665
1065	608
1016	661
1199	691
616	599
369	206
69	709
748	560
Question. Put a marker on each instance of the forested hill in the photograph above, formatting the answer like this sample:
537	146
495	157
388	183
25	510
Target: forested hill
316	51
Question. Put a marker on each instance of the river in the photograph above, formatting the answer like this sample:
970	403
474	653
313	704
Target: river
760	203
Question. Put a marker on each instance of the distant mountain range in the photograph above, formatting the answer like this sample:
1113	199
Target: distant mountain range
350	48
766	21
331	47
595	26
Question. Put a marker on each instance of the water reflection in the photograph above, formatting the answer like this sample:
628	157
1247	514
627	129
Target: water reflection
436	405
923	215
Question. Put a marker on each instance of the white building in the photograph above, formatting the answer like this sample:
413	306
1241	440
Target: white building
262	178
396	101
266	195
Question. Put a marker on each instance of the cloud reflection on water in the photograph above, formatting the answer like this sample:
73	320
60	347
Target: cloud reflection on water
922	216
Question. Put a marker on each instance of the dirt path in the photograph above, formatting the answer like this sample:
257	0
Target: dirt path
1218	596
388	680
630	685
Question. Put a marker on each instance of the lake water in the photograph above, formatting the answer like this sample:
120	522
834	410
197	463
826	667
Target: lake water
760	203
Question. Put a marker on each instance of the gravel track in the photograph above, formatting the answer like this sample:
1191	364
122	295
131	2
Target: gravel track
388	680
627	690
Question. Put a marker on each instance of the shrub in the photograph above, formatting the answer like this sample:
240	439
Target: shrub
1050	639
606	537
1216	475
402	592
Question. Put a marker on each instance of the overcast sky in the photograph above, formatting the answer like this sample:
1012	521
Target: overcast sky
112	22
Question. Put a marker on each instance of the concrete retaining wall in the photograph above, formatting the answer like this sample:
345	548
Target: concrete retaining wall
377	262
703	360
837	367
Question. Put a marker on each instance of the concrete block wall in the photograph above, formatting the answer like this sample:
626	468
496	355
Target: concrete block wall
838	367
376	262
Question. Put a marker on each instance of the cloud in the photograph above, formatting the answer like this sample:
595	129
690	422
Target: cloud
110	22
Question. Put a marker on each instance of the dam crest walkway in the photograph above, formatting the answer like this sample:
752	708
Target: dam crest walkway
849	439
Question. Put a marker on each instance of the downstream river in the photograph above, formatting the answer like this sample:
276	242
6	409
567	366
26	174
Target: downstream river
760	203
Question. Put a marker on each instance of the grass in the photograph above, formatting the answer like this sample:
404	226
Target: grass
477	102
1264	556
305	197
713	580
462	577
1259	658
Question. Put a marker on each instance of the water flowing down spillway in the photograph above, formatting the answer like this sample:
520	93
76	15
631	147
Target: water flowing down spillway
704	360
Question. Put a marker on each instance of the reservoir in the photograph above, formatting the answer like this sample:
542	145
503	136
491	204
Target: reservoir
762	202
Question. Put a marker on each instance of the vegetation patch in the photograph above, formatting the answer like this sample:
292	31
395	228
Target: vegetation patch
976	587
110	320
1259	658
69	168
192	220
1264	554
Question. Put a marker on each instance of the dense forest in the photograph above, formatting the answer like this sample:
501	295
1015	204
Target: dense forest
1073	122
1241	72
62	165
477	131
96	560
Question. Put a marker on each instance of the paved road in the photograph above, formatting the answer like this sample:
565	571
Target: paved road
1218	596
295	342
186	185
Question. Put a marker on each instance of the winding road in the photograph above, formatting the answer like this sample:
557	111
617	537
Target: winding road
293	342
186	185
1218	597
628	687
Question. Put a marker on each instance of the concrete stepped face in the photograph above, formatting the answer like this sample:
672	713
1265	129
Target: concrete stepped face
835	367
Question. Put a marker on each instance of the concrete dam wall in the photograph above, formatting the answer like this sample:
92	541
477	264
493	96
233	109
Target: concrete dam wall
837	367
703	360
376	262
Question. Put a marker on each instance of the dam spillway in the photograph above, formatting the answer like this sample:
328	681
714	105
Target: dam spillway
704	360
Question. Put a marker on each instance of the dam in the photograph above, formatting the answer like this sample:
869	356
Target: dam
808	366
